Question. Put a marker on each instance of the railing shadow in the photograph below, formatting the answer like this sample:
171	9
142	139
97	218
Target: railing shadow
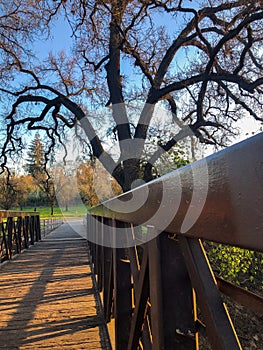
51	304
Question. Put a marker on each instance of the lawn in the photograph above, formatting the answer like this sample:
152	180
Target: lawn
73	211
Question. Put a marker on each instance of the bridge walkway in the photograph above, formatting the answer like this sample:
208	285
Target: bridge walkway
48	298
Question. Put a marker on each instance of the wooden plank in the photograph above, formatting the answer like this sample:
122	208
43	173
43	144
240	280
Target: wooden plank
230	213
48	299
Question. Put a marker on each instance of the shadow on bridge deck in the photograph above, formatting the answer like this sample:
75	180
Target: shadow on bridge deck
48	299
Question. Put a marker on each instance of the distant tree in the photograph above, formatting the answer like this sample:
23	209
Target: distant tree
94	184
7	193
14	190
46	185
65	186
25	185
37	167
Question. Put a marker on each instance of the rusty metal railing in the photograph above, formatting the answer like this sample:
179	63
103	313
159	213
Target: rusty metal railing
18	230
48	225
153	290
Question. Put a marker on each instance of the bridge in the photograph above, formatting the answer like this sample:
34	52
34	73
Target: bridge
48	298
146	273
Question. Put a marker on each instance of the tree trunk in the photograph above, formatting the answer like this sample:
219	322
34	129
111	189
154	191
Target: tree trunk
130	172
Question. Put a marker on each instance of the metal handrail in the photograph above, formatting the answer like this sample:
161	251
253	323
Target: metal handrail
13	213
231	209
150	290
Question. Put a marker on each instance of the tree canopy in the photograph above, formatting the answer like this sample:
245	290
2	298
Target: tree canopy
200	60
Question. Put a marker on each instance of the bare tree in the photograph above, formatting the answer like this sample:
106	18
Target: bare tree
204	64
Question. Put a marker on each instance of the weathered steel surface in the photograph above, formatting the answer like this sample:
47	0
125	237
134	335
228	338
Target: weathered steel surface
135	272
48	300
141	297
122	295
220	330
230	213
17	232
250	300
156	294
176	300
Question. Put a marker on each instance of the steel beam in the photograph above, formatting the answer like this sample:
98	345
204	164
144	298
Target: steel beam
220	196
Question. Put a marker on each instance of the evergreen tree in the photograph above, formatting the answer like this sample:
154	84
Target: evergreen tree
36	166
35	161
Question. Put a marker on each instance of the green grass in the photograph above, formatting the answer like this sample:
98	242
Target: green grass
73	211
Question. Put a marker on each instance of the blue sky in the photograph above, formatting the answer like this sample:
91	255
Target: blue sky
61	40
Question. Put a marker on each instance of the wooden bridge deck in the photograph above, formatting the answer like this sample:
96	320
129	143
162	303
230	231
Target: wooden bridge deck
48	299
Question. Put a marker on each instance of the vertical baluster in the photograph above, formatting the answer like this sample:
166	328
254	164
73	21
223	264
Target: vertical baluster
122	292
15	240
156	297
171	297
9	226
19	233
26	231
99	253
38	228
33	218
44	227
92	235
142	295
4	228
107	272
89	228
96	246
220	330
1	240
135	270
31	230
23	229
